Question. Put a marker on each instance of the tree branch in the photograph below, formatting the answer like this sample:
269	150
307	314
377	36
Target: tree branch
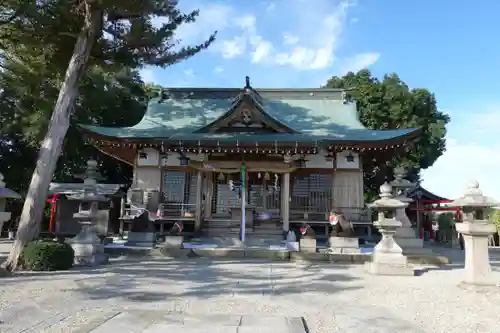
12	17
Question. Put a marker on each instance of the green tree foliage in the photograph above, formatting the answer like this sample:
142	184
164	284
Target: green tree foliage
445	221
81	56
494	218
36	43
390	104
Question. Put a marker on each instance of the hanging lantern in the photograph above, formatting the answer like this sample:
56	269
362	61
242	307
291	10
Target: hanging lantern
221	177
267	176
259	176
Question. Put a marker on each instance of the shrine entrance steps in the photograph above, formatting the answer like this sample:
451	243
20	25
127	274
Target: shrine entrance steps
259	233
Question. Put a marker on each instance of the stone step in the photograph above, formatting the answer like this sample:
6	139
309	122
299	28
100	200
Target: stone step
148	322
275	231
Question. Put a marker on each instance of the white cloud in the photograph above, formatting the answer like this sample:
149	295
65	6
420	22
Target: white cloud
302	38
218	70
319	30
358	62
213	17
246	22
271	6
262	50
459	165
472	154
147	75
233	48
312	35
290	40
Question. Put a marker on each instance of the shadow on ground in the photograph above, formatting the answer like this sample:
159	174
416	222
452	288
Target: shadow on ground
155	280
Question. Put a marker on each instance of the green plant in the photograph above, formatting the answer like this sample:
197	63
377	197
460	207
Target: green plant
445	221
44	255
494	218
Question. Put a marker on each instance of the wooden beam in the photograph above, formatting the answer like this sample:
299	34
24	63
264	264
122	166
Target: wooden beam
123	154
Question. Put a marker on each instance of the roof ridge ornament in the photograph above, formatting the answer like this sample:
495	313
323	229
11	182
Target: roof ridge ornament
247	82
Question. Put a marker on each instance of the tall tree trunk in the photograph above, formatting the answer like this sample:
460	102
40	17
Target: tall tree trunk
29	224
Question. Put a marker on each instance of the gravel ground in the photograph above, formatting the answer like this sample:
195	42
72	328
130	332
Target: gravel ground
332	298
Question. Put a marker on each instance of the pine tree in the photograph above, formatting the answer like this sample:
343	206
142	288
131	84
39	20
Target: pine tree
82	34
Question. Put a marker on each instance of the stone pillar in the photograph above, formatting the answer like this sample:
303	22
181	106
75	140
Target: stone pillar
199	200
387	257
476	230
405	236
286	201
5	194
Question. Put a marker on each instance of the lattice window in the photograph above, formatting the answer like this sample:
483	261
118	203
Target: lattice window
311	192
264	195
179	189
226	196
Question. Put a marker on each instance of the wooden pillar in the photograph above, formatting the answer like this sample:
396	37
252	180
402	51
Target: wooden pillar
208	190
286	202
199	200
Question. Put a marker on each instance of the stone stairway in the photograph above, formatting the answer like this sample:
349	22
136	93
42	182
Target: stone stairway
269	232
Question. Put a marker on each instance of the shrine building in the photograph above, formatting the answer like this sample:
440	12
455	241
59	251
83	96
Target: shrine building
224	159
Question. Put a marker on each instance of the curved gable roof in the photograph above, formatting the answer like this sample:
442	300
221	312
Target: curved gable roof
315	114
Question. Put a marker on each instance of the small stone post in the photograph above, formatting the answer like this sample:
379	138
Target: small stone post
405	236
387	257
5	194
475	230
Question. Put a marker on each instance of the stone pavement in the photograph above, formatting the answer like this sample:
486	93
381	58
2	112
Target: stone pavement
330	297
156	322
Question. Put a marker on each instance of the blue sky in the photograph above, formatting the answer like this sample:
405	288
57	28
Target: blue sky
450	47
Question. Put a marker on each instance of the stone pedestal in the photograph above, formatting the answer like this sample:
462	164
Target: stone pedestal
88	248
293	246
387	257
405	236
476	230
307	245
348	245
145	239
173	242
477	262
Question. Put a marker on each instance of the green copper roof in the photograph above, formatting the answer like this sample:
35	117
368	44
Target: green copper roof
317	114
344	135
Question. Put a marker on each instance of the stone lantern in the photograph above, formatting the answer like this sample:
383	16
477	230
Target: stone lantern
387	257
405	236
87	245
476	229
5	194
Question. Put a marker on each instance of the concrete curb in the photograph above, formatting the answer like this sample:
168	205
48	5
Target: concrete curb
253	253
